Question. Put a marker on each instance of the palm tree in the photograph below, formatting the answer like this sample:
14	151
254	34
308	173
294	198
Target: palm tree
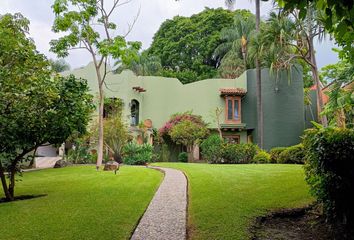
236	39
291	39
144	65
260	125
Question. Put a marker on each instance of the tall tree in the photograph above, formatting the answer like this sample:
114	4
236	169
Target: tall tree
260	121
294	40
145	65
36	107
236	38
83	21
185	45
337	16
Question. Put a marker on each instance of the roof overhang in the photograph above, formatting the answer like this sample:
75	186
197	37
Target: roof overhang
233	126
232	92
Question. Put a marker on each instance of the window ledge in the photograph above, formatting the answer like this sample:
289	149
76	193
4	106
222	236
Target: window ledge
233	125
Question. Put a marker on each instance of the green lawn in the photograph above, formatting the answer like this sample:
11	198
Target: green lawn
225	199
80	203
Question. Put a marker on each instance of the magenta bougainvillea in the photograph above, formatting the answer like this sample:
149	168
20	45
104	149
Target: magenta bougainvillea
177	118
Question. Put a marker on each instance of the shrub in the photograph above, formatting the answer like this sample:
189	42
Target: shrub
329	171
239	153
274	154
81	154
183	157
261	157
212	149
135	154
293	154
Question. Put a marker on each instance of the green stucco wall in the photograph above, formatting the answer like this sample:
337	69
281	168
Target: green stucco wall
164	96
283	109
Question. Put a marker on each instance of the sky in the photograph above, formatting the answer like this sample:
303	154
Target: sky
149	15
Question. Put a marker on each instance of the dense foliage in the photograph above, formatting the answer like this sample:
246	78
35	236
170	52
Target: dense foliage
184	129
211	148
59	65
183	157
115	130
188	132
330	171
337	17
293	154
36	107
339	108
136	154
165	130
239	153
215	150
232	53
274	154
261	157
87	25
185	45
81	153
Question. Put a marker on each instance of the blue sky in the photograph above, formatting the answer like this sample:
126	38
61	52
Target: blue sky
152	14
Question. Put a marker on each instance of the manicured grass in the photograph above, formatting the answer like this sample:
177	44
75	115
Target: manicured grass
224	200
80	203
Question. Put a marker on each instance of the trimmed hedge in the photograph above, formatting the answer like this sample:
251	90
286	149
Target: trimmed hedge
293	154
261	157
274	154
239	153
329	171
215	150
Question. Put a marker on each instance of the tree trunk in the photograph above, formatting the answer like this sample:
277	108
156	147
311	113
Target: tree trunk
260	125
218	111
190	153
12	182
4	184
100	129
314	70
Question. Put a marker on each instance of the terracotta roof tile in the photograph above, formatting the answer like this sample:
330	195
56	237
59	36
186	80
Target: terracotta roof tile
232	91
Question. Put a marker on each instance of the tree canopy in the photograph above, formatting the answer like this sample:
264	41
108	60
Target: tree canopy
87	25
37	107
337	16
186	45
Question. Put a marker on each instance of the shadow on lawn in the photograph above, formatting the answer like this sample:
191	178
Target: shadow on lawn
24	197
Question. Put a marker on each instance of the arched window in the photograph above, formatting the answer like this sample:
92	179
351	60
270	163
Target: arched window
134	112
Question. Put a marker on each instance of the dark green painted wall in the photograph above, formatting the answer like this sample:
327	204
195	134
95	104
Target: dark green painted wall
283	109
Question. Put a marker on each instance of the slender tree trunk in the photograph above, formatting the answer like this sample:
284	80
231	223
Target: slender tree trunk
100	129
190	153
218	111
4	184
316	78
12	182
100	113
260	125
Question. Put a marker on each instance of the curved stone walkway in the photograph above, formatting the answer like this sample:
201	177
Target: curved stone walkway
166	216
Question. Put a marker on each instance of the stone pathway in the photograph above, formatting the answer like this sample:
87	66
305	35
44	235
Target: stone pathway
165	218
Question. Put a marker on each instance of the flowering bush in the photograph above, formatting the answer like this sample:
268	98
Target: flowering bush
165	130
